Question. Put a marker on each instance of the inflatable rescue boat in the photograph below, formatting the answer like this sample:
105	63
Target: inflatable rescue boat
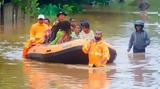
66	53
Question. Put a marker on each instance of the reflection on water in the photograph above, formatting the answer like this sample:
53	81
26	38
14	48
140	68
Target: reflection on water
97	79
130	71
143	71
49	76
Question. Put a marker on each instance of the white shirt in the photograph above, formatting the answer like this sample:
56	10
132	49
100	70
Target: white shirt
87	36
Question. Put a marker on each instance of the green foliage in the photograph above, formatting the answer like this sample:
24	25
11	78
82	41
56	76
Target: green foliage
74	8
16	2
49	10
1	1
30	7
68	8
134	3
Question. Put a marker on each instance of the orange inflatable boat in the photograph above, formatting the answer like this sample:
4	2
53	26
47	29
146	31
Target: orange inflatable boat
67	53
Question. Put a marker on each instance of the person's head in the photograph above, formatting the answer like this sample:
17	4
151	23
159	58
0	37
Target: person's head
72	23
61	15
85	26
72	20
139	25
41	18
64	25
77	29
82	22
47	21
98	35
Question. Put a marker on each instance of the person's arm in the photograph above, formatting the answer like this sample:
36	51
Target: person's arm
55	23
81	35
147	39
59	34
32	32
105	54
92	35
131	42
86	47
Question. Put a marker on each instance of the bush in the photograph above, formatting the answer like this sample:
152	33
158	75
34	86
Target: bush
51	10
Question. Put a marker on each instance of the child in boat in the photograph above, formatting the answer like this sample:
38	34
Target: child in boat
75	32
86	32
97	50
75	28
63	35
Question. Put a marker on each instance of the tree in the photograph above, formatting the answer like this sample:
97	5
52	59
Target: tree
30	7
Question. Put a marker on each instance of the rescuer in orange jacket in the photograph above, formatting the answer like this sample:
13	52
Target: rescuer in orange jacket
97	50
37	32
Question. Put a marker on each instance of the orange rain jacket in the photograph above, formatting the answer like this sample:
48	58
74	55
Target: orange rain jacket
38	30
98	52
37	34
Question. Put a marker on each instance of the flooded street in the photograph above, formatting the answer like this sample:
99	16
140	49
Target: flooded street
129	71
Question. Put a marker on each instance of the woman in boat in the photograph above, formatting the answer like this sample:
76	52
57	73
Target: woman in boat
55	28
63	35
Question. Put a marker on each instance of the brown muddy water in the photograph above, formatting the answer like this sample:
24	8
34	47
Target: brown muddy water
129	71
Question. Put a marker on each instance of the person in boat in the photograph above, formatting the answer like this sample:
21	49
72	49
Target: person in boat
75	28
48	32
73	23
48	22
37	32
55	28
86	32
139	39
75	32
63	35
97	50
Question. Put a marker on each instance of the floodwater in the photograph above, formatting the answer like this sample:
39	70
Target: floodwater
129	71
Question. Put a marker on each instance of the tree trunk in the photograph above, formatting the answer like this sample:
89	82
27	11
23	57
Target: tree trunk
14	16
1	15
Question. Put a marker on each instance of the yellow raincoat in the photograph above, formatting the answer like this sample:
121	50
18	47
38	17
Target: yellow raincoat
98	52
37	34
38	30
